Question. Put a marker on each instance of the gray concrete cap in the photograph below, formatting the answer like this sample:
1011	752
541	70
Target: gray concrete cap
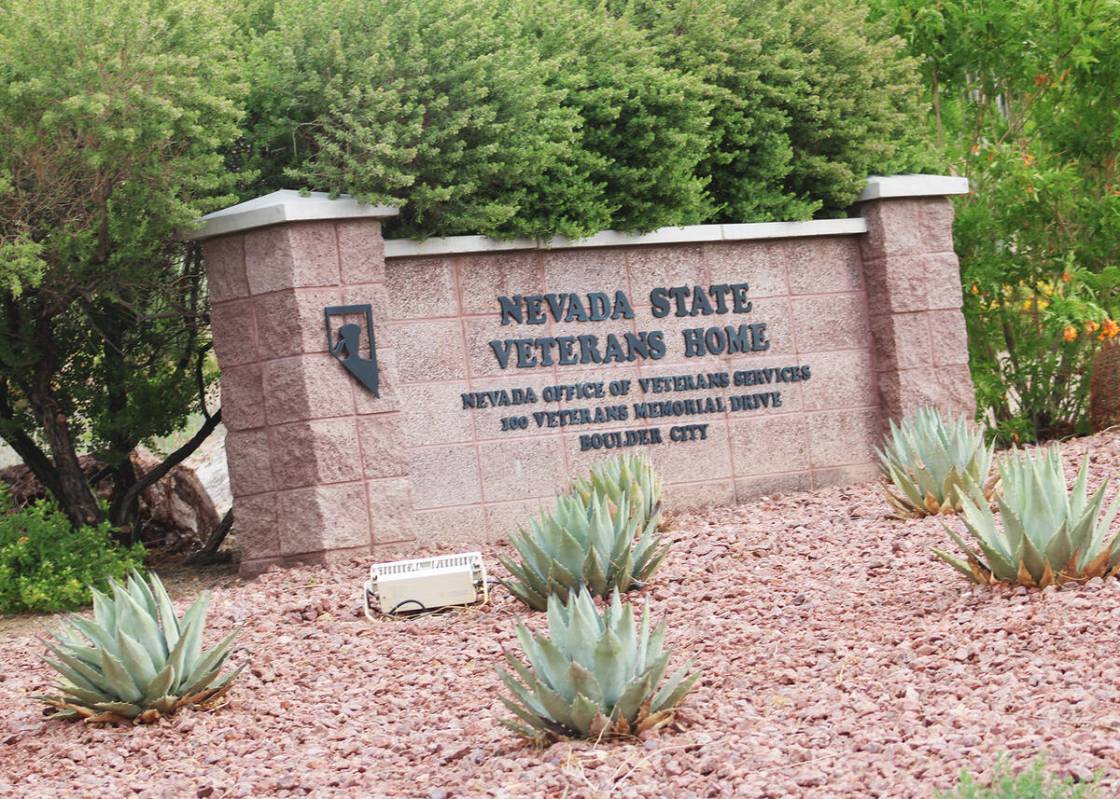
286	205
898	186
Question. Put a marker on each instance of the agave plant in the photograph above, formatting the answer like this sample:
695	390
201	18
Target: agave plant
583	543
630	477
929	462
593	675
135	661
1047	536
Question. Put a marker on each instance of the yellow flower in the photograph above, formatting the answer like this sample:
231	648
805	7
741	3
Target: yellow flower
1070	333
23	539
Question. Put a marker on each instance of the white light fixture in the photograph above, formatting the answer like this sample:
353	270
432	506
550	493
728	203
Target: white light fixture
404	586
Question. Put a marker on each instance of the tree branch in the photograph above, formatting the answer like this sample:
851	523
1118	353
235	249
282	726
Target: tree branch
172	460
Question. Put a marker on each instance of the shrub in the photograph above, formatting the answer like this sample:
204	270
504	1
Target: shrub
643	128
509	117
46	566
591	544
1032	783
136	661
1048	535
593	675
477	117
930	463
808	99
1020	101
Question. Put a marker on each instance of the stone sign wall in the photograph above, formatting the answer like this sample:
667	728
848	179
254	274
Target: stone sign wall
439	392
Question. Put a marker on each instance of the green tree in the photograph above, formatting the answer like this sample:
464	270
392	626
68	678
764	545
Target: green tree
505	119
809	98
113	119
643	128
1021	97
421	103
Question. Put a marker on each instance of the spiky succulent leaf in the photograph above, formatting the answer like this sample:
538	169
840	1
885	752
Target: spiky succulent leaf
582	543
931	464
631	485
135	659
593	674
1045	534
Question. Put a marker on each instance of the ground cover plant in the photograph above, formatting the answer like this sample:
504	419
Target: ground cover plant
1030	783
136	660
46	566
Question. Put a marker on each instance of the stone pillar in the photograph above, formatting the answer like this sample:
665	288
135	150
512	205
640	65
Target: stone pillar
316	462
914	295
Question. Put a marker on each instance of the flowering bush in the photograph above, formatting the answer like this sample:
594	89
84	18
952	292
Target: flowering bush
1021	100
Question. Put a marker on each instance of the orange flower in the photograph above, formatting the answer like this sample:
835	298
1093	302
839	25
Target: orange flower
1111	329
975	289
1066	277
1070	333
1092	327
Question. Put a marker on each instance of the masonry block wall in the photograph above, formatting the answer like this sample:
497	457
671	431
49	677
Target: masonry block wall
914	292
316	464
473	481
321	468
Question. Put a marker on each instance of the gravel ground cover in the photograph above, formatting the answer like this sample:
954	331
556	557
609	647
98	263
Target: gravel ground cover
840	660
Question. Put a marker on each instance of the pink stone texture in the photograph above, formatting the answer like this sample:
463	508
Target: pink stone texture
304	440
914	293
321	469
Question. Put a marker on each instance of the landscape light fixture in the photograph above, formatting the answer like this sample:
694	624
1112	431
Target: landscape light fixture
409	586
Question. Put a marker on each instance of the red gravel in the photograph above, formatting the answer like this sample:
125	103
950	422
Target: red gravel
839	659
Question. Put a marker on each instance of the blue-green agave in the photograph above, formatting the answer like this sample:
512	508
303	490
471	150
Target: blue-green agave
629	477
931	463
594	543
593	675
135	660
1045	534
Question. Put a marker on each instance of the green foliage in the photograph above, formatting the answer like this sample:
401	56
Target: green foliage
46	567
931	463
1031	783
503	119
114	119
1046	535
136	661
593	675
428	104
625	478
594	543
516	118
808	100
1021	100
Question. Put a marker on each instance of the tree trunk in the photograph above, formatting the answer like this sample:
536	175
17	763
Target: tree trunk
209	553
74	496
